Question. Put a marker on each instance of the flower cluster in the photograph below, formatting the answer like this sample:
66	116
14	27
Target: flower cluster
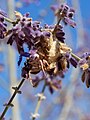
59	33
85	65
64	12
28	32
47	51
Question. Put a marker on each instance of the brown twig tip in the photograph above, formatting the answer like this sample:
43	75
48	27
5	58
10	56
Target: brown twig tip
9	104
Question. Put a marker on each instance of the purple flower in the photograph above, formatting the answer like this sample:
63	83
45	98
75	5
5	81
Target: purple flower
73	62
20	33
65	13
46	26
3	28
53	84
24	32
85	55
17	38
85	65
46	34
60	33
69	21
86	77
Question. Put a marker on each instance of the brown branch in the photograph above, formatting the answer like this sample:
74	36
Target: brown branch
9	104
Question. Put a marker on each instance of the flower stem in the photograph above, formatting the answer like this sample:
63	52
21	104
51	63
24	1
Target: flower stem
57	25
8	20
76	57
39	101
11	99
11	21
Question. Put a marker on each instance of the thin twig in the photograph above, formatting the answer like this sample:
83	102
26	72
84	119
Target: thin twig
57	25
39	102
75	56
11	21
11	99
8	20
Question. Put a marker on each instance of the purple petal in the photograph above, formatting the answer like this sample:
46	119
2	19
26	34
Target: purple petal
54	7
69	21
73	62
